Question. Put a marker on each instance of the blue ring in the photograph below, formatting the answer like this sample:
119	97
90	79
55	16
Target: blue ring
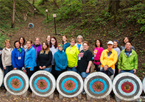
40	78
15	77
101	80
30	25
72	79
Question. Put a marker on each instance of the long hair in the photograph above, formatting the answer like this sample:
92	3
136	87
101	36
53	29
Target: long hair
55	42
23	40
47	49
62	40
101	45
123	40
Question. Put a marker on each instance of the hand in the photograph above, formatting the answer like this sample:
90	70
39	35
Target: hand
76	66
5	68
87	71
99	66
40	67
134	70
119	70
105	67
15	68
44	67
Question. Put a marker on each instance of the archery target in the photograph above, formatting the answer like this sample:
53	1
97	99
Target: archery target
97	85
1	77
127	86
143	83
69	84
30	25
16	82
42	83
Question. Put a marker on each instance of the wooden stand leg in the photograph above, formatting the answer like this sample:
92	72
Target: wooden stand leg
33	95
25	94
108	98
60	96
51	96
80	96
88	97
117	99
7	93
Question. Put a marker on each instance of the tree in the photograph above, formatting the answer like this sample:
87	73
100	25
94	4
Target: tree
13	15
55	3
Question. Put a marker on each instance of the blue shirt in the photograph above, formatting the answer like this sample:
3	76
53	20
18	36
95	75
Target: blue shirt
65	46
79	46
30	58
18	58
60	60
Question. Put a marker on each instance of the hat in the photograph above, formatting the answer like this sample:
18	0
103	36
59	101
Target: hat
60	45
110	42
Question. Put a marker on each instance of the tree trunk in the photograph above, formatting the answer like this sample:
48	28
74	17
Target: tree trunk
55	3
33	2
13	16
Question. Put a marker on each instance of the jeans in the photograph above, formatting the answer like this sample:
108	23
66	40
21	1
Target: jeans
72	69
83	74
8	69
97	68
130	71
48	69
1	67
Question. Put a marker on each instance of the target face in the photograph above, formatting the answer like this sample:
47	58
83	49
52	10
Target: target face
42	83
69	84
127	86
97	85
16	82
1	77
31	25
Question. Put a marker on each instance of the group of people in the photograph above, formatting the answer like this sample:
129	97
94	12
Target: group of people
57	58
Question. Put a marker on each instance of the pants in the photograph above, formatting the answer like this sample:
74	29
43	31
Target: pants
130	71
72	69
58	73
83	74
53	71
48	69
116	70
29	73
97	68
8	69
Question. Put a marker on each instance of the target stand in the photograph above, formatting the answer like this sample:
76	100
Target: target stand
16	82
1	77
42	84
127	87
69	84
98	85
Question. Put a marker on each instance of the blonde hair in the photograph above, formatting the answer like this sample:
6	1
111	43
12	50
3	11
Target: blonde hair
72	39
86	42
7	41
47	50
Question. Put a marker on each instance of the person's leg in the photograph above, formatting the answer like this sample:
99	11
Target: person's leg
116	70
112	76
74	69
48	69
84	75
122	71
69	69
97	68
29	73
131	71
6	70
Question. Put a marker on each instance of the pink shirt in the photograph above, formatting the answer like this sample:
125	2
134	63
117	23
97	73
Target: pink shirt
97	55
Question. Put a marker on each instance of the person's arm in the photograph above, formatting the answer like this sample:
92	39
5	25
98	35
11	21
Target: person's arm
38	59
33	53
57	62
119	62
13	59
89	59
135	61
102	58
77	52
89	66
3	59
50	59
65	61
115	59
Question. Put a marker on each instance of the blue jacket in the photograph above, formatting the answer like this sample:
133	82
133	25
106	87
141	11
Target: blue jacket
30	58
60	60
65	46
18	58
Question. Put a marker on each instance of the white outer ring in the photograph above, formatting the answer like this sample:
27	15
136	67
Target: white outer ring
133	76
22	74
73	74
1	77
51	78
97	74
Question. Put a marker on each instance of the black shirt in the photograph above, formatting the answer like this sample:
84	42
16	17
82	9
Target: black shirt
1	57
83	60
44	59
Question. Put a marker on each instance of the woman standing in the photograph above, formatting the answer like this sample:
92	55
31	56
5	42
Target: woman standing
30	58
97	53
72	56
22	43
17	56
116	48
60	60
64	42
6	57
125	40
48	39
45	58
79	45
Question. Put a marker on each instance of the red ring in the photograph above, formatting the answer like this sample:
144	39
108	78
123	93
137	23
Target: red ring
98	86
69	85
127	87
41	84
15	83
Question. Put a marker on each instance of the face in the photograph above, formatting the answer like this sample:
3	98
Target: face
64	38
44	46
48	38
17	45
29	44
53	41
98	43
110	46
60	48
126	40
85	46
80	39
115	44
37	41
72	43
128	46
8	45
21	40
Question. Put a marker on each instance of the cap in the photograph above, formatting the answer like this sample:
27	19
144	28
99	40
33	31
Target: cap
110	42
60	45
